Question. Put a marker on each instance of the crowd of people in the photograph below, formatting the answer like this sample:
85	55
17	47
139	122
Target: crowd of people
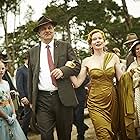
51	87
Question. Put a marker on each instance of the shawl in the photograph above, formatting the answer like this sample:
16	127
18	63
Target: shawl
126	106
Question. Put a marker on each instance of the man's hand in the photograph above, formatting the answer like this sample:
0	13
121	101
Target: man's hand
31	106
25	101
57	73
70	64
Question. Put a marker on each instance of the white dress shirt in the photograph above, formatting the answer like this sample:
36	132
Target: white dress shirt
45	81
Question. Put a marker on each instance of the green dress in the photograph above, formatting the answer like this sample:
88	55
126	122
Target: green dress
102	100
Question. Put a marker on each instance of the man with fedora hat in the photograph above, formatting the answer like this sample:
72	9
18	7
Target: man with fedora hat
21	84
50	90
131	37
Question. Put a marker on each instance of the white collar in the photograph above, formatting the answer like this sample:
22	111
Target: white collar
51	44
26	65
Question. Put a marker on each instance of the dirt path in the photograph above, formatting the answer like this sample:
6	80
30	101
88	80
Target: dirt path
89	135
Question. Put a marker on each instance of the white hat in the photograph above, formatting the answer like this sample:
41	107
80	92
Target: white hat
134	44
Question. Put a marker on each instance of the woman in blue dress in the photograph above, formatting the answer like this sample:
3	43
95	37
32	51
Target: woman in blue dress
9	126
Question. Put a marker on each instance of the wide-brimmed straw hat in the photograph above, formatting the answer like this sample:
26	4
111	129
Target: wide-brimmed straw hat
135	43
4	58
130	38
133	47
42	21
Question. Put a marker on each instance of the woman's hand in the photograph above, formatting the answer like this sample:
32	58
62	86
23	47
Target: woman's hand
70	64
14	116
10	120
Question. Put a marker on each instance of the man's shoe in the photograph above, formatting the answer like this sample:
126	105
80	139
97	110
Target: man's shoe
85	127
80	137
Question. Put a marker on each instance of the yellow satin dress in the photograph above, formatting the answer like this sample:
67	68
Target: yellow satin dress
102	101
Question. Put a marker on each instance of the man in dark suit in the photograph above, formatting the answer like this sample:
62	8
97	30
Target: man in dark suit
21	83
50	90
130	39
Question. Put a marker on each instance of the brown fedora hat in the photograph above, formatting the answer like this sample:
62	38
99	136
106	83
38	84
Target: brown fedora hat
42	21
130	38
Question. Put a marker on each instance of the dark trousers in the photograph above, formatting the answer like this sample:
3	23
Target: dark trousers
79	113
52	113
26	119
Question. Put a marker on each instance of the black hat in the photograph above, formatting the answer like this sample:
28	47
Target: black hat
42	21
4	58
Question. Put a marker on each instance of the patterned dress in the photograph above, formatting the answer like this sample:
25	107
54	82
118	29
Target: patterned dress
136	86
8	132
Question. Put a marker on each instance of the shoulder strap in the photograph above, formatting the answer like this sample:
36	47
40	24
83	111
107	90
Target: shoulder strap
108	57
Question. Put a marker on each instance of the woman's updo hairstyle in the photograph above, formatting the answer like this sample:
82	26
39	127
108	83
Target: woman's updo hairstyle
89	40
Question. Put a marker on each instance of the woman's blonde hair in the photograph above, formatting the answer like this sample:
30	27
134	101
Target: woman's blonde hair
89	40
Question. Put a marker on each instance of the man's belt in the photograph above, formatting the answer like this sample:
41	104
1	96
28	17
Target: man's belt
49	93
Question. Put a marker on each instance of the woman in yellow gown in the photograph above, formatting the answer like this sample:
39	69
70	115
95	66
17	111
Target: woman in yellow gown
102	67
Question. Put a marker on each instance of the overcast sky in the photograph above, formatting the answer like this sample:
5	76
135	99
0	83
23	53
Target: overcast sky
39	6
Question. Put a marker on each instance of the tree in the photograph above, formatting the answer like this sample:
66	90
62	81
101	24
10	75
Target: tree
63	14
85	15
126	16
21	39
105	15
74	23
24	39
6	7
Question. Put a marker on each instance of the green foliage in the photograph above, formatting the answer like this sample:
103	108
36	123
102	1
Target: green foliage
89	14
24	39
8	5
74	23
83	53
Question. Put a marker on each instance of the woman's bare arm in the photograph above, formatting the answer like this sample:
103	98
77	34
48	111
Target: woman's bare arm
77	81
3	114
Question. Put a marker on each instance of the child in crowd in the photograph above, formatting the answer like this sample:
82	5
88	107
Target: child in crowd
9	126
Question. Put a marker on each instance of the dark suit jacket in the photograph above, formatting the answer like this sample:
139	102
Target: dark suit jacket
129	59
7	77
63	52
21	81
